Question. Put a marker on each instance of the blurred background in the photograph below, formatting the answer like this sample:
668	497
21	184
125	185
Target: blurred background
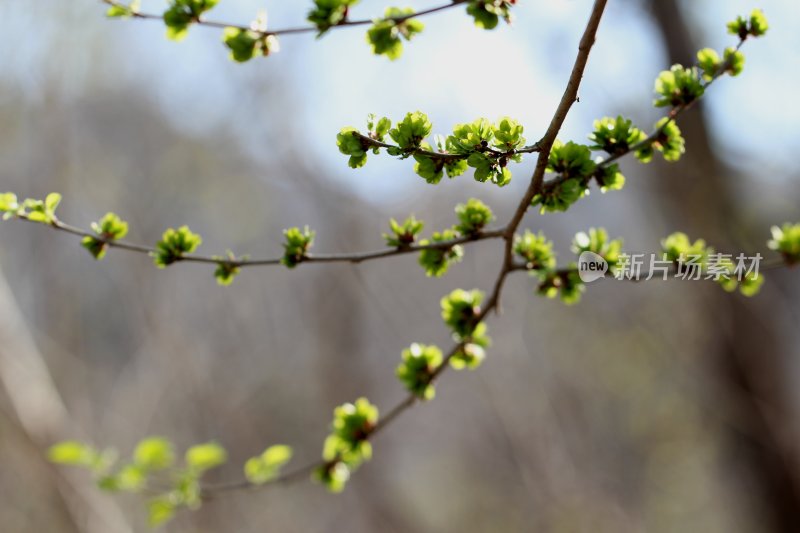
658	407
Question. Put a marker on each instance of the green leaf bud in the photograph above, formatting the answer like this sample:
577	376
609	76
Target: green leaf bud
536	250
416	372
436	261
460	312
786	241
296	245
174	244
678	86
473	217
403	235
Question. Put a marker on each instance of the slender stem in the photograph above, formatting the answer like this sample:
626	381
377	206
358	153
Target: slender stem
446	156
292	30
357	257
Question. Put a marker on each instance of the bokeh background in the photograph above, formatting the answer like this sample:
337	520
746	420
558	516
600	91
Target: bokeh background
657	407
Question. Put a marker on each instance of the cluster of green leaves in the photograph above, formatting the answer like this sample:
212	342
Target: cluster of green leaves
350	143
668	140
472	351
385	35
174	245
409	132
99	462
596	240
185	490
748	282
227	268
421	363
615	136
473	216
537	252
489	148
678	86
487	13
110	228
436	261
9	205
433	169
348	444
486	147
700	259
679	248
576	168
119	10
708	60
566	284
756	25
329	13
609	178
786	241
403	235
296	246
151	465
574	163
43	211
245	44
461	312
266	467
416	371
180	14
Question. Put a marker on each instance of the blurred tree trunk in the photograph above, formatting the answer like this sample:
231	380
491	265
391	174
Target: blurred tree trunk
43	418
745	355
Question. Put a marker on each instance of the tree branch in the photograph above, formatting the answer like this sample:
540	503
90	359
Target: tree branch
444	155
357	257
293	30
507	234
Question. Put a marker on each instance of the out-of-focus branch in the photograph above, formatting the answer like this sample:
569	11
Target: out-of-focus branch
43	418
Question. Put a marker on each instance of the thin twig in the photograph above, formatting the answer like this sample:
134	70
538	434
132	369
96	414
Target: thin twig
287	31
496	154
357	257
